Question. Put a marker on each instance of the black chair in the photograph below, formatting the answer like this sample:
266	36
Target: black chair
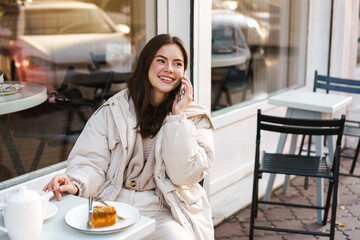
352	128
291	164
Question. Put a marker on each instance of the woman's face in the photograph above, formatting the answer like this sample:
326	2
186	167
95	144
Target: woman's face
165	72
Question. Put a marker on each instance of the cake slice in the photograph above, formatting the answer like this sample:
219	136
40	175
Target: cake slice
104	216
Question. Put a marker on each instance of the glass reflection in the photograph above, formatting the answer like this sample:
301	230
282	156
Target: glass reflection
82	52
271	36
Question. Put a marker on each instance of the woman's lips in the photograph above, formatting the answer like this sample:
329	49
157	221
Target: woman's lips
166	79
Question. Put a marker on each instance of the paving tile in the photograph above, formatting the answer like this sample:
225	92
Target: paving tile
353	235
304	214
354	210
355	188
273	236
279	214
345	180
349	199
350	223
312	225
299	237
289	224
226	228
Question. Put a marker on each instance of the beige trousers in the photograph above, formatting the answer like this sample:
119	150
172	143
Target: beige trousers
148	203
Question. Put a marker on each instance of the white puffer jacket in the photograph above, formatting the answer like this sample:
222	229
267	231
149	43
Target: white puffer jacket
184	153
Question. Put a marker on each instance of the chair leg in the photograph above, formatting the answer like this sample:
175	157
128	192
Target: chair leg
268	189
327	204
334	207
254	204
355	157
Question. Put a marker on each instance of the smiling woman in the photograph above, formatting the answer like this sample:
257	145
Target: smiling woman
146	148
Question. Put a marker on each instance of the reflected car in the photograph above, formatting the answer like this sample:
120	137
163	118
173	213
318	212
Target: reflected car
256	31
40	40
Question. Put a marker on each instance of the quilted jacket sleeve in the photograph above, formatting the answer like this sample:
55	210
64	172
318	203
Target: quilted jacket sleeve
187	148
90	157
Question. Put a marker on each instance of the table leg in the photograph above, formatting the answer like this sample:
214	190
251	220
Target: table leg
11	147
319	181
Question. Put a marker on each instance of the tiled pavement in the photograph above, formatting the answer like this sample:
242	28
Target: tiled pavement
348	212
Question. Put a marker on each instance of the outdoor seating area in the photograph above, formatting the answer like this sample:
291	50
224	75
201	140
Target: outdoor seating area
199	120
237	226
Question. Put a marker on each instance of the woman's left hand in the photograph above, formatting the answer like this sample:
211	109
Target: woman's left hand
180	106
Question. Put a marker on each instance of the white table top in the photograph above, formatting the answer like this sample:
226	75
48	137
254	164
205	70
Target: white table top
56	228
310	101
31	95
227	59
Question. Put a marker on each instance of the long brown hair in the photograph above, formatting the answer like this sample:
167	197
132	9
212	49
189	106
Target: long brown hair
150	118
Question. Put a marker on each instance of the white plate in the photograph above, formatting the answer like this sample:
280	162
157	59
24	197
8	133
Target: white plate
8	88
78	216
51	210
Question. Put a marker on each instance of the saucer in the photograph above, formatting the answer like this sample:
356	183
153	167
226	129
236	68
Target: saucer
51	210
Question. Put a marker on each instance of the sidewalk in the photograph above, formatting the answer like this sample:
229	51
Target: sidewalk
348	212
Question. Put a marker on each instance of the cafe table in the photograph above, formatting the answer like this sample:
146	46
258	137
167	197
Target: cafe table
28	96
227	59
312	105
56	227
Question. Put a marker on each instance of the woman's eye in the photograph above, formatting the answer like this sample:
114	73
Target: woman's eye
178	64
160	61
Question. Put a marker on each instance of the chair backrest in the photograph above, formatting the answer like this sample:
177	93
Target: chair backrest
300	126
336	84
99	80
98	60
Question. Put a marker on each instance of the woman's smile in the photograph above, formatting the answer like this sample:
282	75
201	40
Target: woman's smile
167	79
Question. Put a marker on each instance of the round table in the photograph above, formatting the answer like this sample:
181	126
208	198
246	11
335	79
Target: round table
30	95
227	59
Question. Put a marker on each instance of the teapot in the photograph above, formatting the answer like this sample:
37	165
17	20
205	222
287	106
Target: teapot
24	212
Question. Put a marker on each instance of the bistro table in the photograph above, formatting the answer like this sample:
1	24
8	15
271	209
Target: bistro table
30	95
56	228
227	59
305	104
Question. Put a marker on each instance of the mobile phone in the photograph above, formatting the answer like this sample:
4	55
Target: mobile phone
181	91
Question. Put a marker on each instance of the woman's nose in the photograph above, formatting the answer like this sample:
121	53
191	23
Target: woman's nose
168	68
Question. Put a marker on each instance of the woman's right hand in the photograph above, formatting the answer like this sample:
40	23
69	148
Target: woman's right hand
61	183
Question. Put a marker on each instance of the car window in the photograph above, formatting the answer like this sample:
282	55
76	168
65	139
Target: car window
65	21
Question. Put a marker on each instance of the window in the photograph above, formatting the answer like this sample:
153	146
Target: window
258	49
70	48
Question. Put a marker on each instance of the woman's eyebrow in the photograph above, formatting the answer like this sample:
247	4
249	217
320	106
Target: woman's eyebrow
161	56
177	59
